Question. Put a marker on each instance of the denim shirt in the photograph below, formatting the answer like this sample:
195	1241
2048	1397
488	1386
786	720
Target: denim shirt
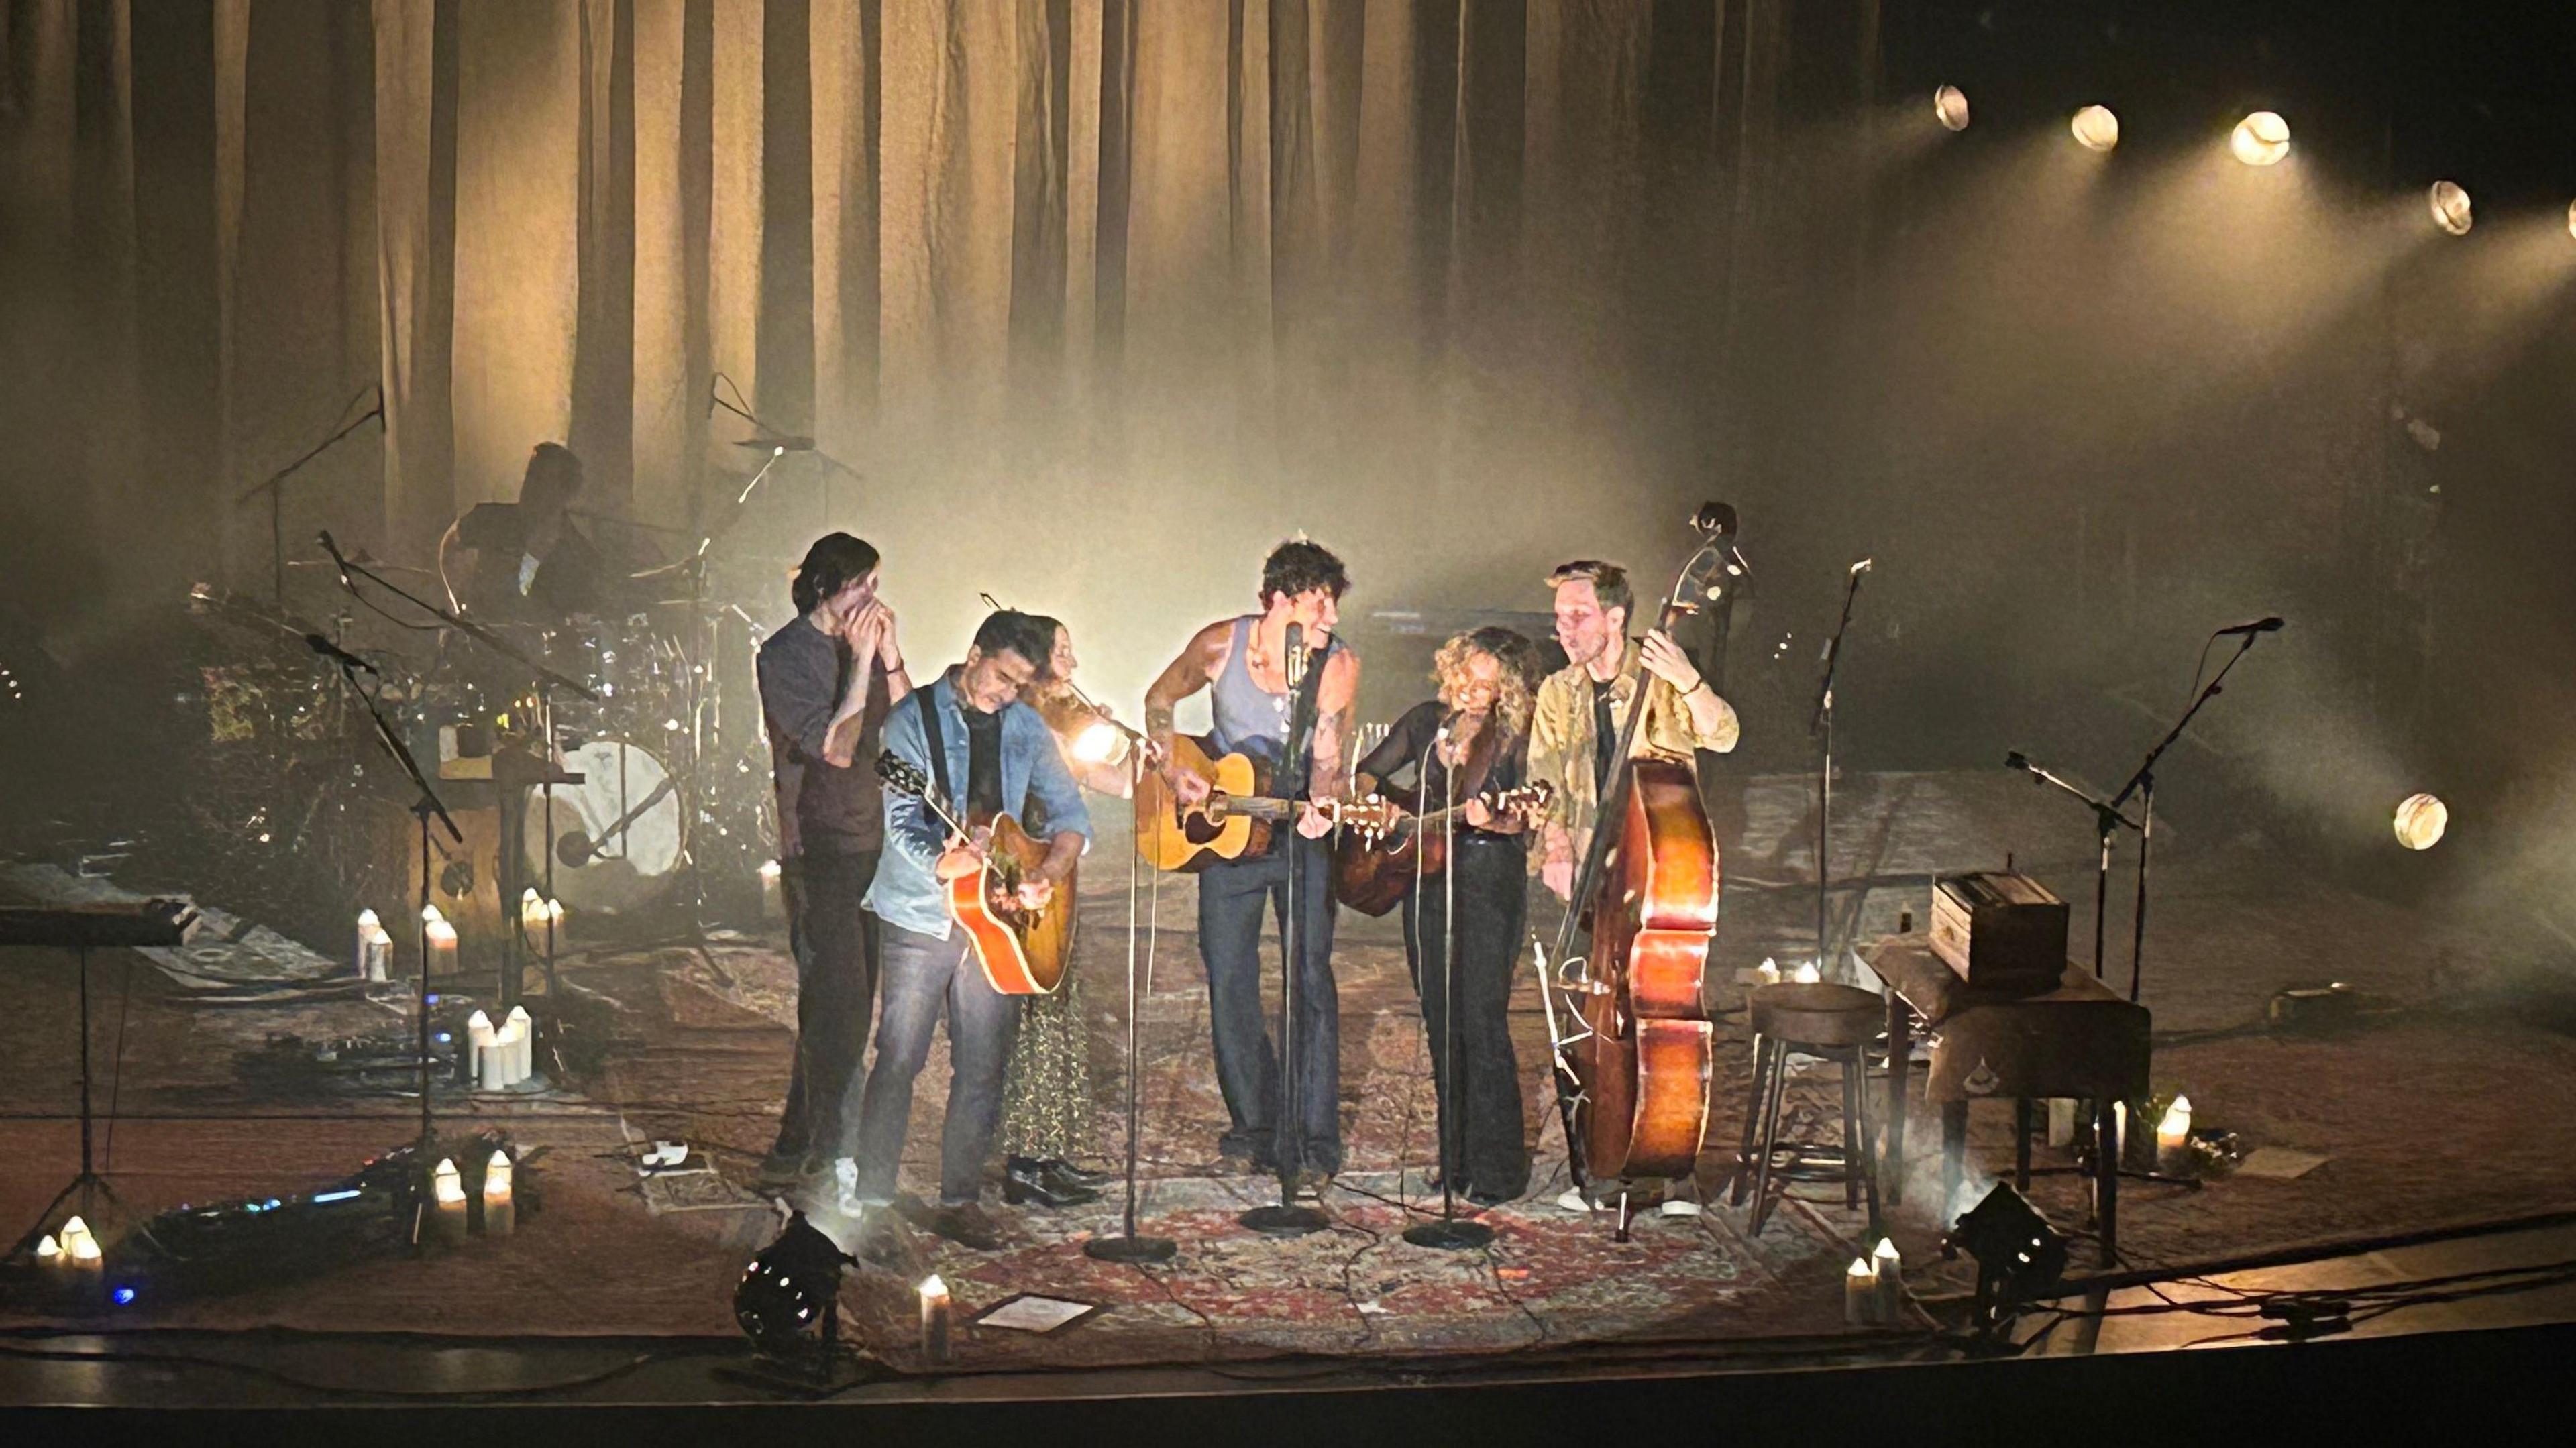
907	892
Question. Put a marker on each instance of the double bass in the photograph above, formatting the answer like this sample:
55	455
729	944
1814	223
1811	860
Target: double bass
1633	1074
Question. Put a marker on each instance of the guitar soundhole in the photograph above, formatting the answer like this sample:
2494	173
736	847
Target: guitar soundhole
1198	829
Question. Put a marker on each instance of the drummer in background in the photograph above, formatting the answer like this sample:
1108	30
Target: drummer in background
531	564
827	680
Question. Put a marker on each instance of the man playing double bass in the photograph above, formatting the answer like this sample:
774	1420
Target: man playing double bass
1581	708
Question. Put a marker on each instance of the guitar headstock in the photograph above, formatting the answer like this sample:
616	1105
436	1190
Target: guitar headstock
1372	815
1534	795
902	775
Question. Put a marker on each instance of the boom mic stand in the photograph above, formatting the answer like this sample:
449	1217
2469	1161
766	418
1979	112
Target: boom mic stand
1128	1246
274	485
1822	728
1447	1234
2107	821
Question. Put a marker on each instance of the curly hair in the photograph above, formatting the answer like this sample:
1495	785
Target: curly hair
1511	688
1297	566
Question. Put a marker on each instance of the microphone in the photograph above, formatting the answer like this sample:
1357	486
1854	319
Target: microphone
1296	656
337	561
2258	626
337	654
2016	760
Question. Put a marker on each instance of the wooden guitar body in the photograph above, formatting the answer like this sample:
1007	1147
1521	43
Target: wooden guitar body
1024	952
1172	838
1645	1066
1372	872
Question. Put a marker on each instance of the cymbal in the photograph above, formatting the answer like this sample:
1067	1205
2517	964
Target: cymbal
694	560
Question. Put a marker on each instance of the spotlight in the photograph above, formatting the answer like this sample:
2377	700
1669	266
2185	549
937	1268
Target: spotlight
789	1296
2018	1254
2451	207
1950	106
2421	819
1102	743
2096	129
2260	139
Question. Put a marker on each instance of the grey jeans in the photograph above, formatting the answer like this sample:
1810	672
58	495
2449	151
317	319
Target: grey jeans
919	978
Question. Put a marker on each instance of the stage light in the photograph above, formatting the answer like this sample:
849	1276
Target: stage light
788	1293
2096	129
2260	139
2421	819
2451	207
1950	106
124	1296
2018	1254
1102	743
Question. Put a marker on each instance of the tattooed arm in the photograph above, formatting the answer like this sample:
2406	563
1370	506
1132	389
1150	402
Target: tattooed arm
1194	670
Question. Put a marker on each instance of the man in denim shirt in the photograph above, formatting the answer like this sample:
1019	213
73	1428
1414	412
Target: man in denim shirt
1000	756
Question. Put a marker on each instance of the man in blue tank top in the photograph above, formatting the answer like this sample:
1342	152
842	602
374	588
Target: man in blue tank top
1257	680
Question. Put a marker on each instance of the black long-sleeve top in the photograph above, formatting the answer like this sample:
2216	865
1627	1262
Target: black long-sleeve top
1407	752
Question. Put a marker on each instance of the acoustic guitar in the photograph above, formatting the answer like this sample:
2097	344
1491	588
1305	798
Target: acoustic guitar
1373	868
1235	819
1023	951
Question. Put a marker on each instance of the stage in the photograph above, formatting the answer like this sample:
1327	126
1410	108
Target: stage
2439	1112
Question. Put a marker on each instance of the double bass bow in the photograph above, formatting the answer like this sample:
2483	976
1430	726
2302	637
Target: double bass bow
1633	1076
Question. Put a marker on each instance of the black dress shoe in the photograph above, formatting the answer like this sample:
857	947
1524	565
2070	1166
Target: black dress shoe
1021	1185
966	1225
1061	1174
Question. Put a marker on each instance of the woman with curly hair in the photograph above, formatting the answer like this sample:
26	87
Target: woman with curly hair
1470	744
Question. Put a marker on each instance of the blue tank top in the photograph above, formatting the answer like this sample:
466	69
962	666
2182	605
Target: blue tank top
1248	718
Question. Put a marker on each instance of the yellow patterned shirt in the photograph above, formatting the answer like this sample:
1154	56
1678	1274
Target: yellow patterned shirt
1562	748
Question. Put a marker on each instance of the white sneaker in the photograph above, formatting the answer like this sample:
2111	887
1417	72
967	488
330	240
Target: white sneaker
845	1187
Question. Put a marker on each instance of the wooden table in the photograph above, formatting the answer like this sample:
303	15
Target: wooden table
2079	1039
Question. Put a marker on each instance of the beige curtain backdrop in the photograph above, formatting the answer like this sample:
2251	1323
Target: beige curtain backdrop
1095	299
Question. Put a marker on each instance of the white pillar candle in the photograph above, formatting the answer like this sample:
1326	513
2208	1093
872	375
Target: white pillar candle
554	925
2061	1120
1769	972
1808	974
532	916
1890	1271
935	1309
523	1032
380	954
2173	1137
500	1210
49	1252
2119	1128
773	895
1860	1293
447	1203
482	1039
442	948
368	925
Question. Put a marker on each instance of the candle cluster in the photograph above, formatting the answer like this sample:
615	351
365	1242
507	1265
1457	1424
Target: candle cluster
448	1219
504	1055
1874	1288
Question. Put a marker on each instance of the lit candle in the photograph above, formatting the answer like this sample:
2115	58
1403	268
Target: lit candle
1860	1293
773	900
1769	973
532	913
934	1319
523	1045
49	1252
368	925
1808	974
380	954
500	1213
480	1036
2173	1137
554	925
447	1202
1890	1270
442	948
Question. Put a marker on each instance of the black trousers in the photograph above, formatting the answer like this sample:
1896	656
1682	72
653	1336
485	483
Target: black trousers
1233	895
1481	1145
836	989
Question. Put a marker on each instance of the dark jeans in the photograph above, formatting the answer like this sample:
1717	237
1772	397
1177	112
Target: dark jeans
1481	1146
835	942
923	977
1232	898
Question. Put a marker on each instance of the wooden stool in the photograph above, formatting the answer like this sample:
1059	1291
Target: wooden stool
1831	1023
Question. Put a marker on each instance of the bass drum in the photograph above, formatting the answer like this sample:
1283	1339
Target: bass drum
619	836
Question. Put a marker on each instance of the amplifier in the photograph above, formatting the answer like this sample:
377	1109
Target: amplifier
2000	930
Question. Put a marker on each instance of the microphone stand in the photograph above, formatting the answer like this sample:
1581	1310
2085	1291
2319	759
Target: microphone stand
2107	820
1288	1219
547	681
423	809
2143	785
275	486
1128	1247
1821	726
1448	1234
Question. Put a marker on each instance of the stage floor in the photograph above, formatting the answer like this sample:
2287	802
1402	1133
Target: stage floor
2438	1114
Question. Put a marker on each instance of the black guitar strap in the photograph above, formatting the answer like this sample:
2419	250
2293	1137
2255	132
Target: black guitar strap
938	746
